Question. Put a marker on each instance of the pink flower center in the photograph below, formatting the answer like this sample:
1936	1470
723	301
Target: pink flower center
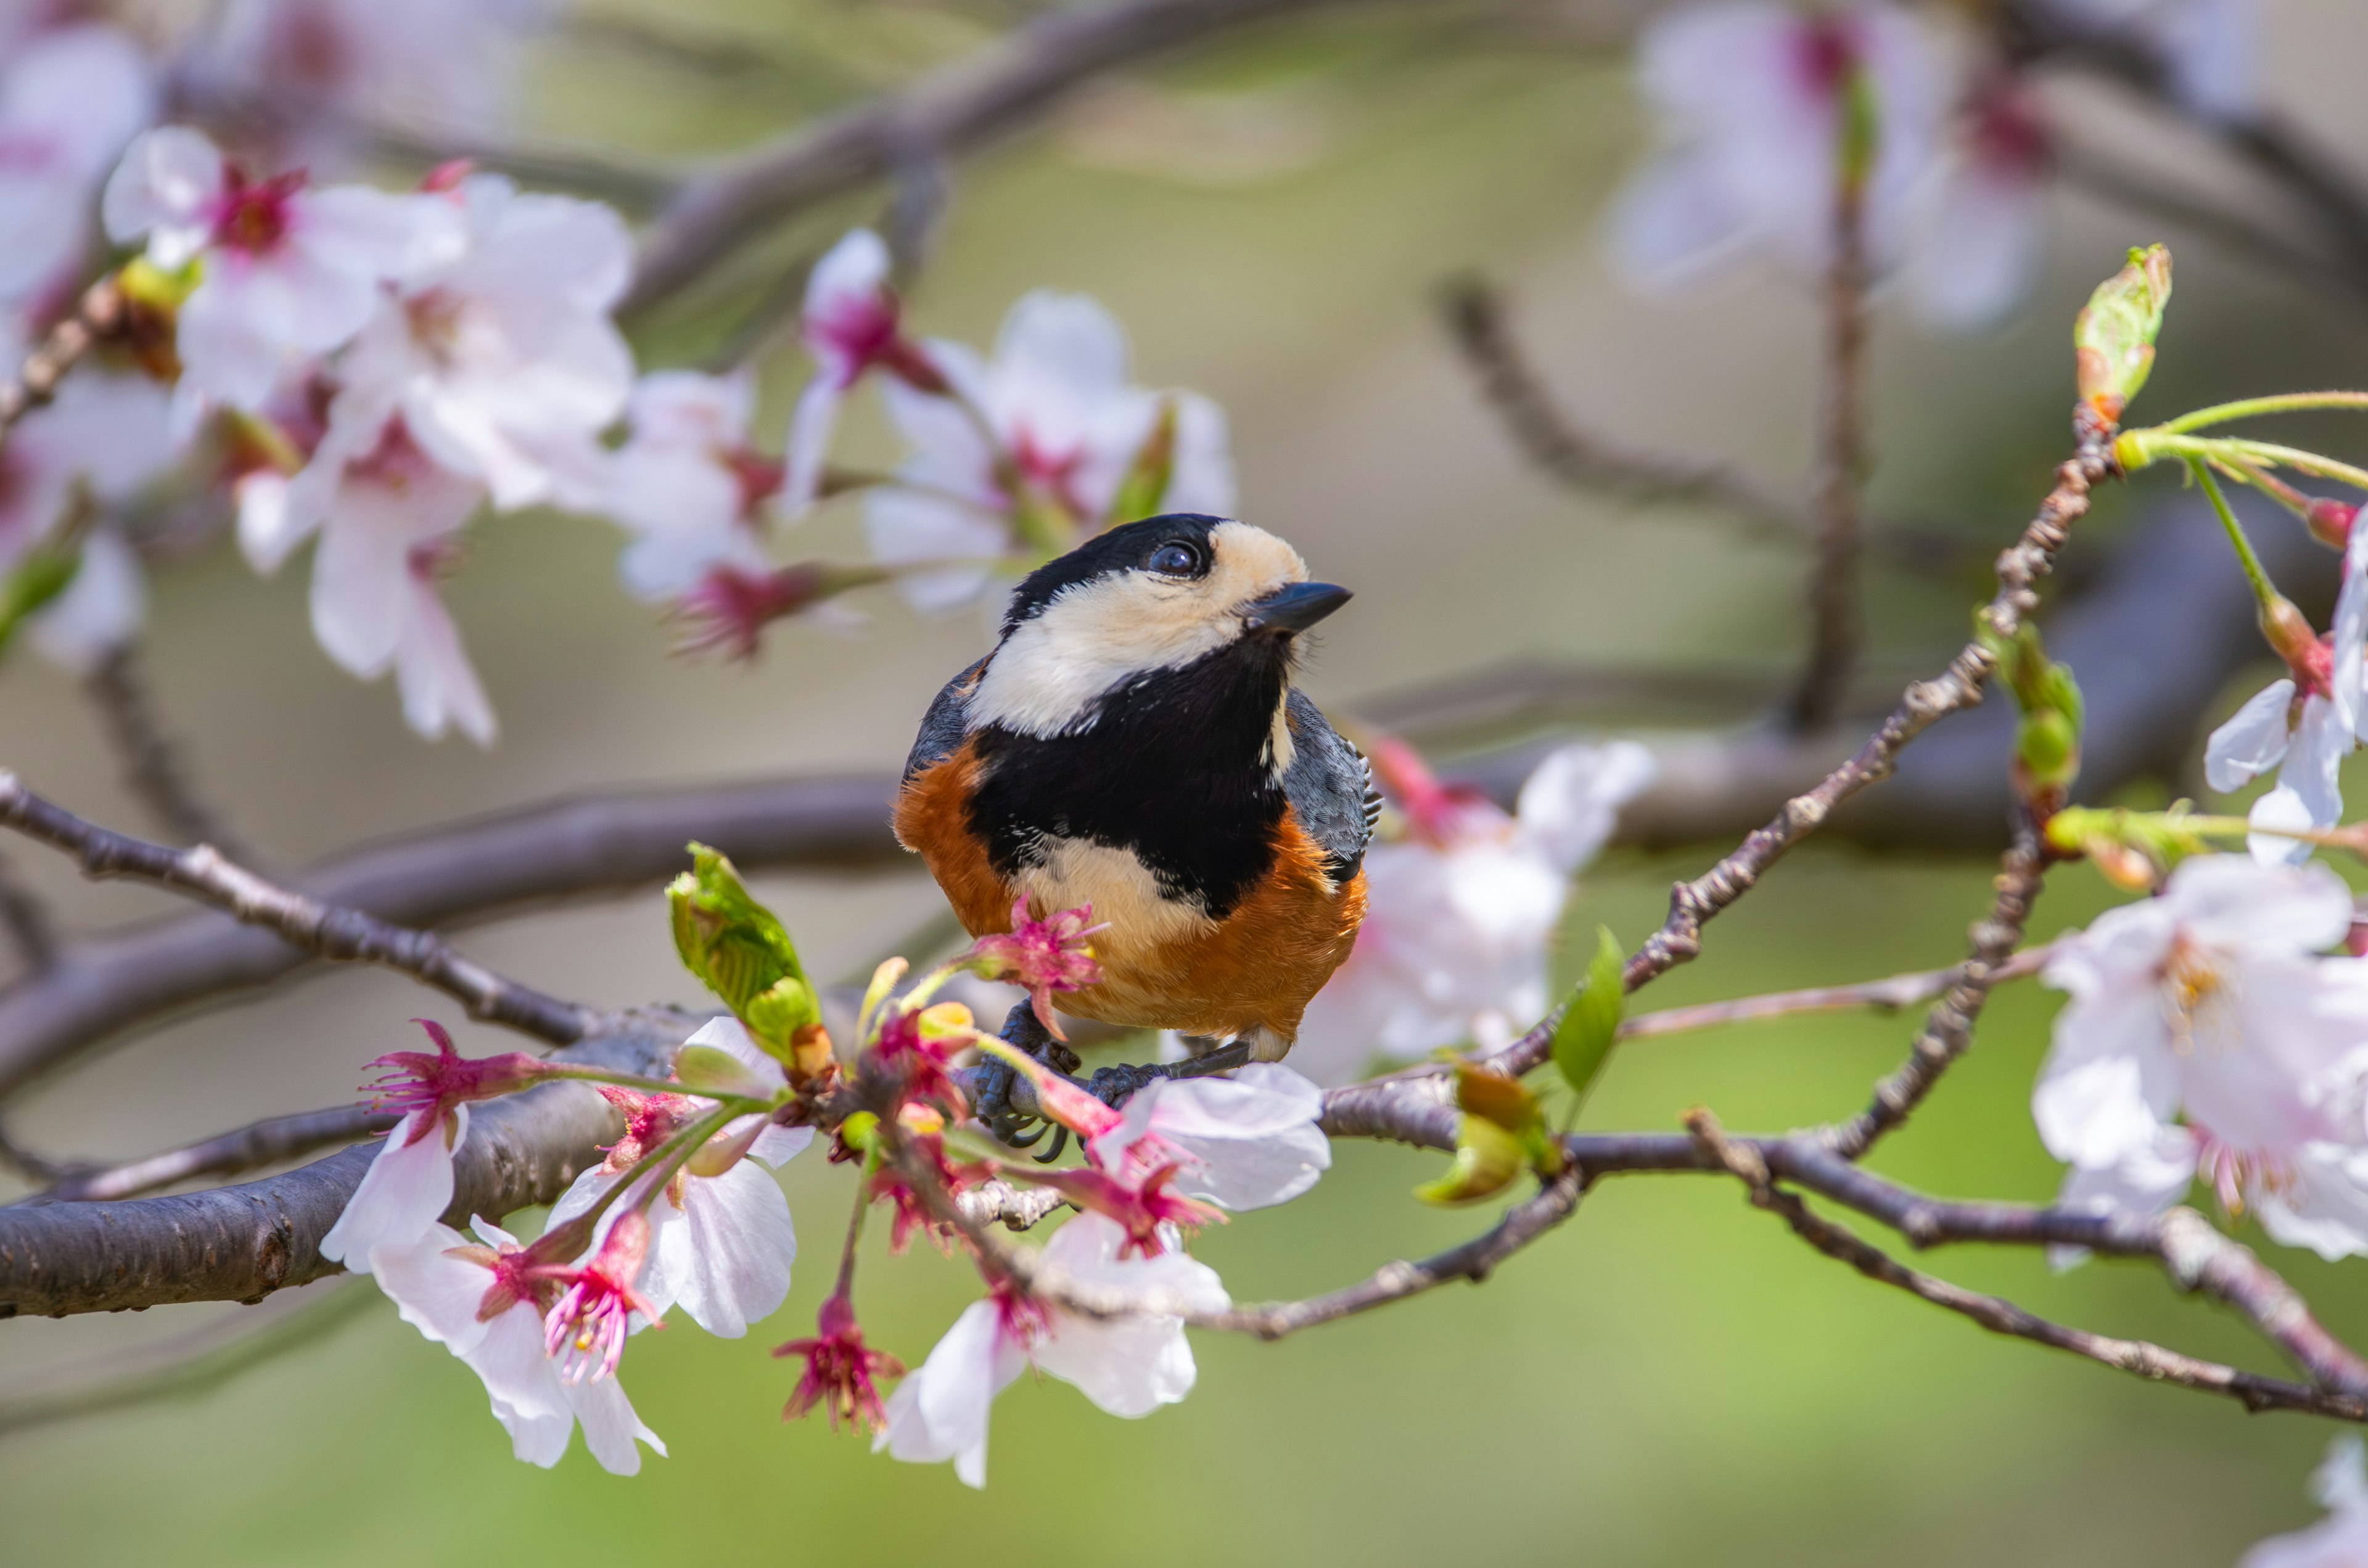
760	477
253	219
1824	55
1049	469
2005	130
854	332
1442	815
2234	1172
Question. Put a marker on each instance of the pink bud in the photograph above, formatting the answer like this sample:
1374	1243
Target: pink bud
2330	520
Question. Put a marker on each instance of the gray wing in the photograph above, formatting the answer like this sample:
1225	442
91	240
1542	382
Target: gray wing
1329	787
944	725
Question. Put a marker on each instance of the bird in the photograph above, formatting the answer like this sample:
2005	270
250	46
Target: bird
1133	742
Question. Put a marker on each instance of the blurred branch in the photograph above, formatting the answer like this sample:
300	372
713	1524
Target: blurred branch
151	762
1837	622
190	1364
26	920
265	1142
100	314
326	930
979	99
240	1244
1888	994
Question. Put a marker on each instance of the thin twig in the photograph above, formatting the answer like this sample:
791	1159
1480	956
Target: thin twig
997	1202
99	315
325	930
265	1142
1949	1028
1889	994
1836	624
2137	1356
152	762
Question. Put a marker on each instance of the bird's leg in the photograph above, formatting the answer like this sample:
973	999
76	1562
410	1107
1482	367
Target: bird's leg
1115	1085
993	1100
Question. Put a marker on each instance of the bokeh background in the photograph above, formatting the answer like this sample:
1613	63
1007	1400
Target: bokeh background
1670	1379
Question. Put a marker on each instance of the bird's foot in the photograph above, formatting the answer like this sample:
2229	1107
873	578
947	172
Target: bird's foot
1115	1085
991	1102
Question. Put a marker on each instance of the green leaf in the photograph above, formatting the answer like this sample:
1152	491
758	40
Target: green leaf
704	1069
775	1015
735	945
45	572
1140	491
1487	1158
1582	1042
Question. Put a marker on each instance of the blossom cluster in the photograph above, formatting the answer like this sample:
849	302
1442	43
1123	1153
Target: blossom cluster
1759	108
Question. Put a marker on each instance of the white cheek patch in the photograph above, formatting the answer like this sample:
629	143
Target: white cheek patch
1097	636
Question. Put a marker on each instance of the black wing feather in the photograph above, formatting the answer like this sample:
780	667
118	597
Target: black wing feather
1329	786
945	725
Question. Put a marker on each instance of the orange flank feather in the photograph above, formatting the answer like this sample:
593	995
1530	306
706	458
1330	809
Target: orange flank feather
1164	965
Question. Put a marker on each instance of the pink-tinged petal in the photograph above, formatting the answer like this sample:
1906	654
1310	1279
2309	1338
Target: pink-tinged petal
851	272
611	1428
88	90
2226	902
2252	742
689	409
540	1437
906	528
520	1378
357	231
1980	257
269	529
811	428
2146	1181
100	610
1060	359
361	582
406	1191
1571	801
2091	1110
776	1146
1201	479
729	1260
435	1292
2322	1204
164	188
1673	224
1128	1367
2350	640
940	1412
439	684
232	336
1251	1141
2308	794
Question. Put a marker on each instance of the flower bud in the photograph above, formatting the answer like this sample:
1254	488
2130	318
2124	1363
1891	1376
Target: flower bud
2330	520
2112	339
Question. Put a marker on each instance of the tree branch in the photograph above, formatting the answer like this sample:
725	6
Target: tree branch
1836	626
240	1244
265	1142
1888	994
26	920
329	931
99	315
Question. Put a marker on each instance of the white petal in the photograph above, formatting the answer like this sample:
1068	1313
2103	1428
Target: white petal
811	428
1254	1138
2147	1180
406	1190
2251	742
1571	801
2093	1113
2226	902
162	189
729	1260
1128	1367
2326	1208
906	528
1201	479
940	1412
1982	253
1672	224
362	578
610	1426
2350	640
436	1294
856	268
100	610
439	686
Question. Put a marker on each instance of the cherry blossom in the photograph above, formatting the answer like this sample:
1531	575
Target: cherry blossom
1749	101
499	352
1041	957
333	66
2209	1005
105	438
722	1238
485	1304
850	324
70	99
585	1330
2303	724
289	272
2339	1485
1029	454
389	518
1462	914
840	1369
688	484
1982	236
1129	1366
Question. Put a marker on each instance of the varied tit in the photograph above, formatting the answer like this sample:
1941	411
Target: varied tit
1134	743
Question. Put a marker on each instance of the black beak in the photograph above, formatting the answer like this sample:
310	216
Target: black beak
1294	609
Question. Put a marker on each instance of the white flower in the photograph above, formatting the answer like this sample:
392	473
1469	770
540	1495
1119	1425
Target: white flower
2311	737
688	482
1749	100
502	356
1128	1367
2210	50
1460	917
850	324
105	438
2210	1003
403	1193
446	65
720	1244
2339	1485
1059	407
69	101
1247	1142
1980	240
440	1285
289	273
389	517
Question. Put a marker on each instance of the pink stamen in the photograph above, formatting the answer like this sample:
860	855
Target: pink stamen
587	1330
1442	815
427	1087
253	219
1042	957
840	1370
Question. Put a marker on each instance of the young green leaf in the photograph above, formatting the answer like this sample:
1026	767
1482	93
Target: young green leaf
1583	1040
735	945
1487	1158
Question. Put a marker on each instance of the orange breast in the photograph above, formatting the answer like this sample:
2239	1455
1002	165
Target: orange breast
1163	964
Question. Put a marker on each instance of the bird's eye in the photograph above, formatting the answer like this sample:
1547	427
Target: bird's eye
1177	561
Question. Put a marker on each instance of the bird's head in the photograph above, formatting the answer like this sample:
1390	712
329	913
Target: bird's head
1165	594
